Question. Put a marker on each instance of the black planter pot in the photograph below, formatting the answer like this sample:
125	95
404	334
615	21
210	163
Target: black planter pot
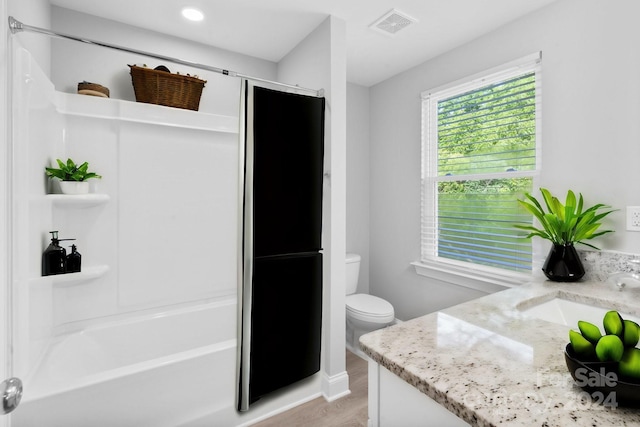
563	264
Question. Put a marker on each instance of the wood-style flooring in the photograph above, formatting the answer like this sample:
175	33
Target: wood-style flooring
349	411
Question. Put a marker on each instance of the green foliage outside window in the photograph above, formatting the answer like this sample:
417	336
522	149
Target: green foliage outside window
490	130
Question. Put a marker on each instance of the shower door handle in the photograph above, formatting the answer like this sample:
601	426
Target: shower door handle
11	394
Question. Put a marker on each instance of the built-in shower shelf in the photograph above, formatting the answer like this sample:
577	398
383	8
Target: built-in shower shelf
140	112
87	273
78	200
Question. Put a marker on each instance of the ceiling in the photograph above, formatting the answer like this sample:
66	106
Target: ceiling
269	29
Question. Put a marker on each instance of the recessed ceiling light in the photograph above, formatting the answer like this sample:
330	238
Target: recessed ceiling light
192	14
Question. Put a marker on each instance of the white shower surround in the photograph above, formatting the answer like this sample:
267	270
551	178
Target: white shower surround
159	243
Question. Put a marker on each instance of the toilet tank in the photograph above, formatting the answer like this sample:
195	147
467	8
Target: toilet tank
352	272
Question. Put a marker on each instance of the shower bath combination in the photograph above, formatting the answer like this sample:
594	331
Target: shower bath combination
90	353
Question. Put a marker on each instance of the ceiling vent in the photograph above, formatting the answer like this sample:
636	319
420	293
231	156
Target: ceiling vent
392	22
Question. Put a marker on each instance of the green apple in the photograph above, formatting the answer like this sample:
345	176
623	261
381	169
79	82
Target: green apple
590	331
630	363
610	348
631	333
613	324
580	344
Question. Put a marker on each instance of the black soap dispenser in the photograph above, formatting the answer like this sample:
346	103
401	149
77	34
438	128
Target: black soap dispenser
54	258
74	260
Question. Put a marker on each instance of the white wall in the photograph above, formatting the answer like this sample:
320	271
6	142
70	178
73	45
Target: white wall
319	61
358	171
591	132
73	62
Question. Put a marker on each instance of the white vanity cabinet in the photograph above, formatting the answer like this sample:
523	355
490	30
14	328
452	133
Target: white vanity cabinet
488	361
396	403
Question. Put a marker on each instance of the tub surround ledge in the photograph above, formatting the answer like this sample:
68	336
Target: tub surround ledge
491	364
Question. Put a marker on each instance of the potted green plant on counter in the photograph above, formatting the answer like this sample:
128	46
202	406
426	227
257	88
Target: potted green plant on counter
564	225
73	177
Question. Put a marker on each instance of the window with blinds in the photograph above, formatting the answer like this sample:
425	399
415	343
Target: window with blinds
480	154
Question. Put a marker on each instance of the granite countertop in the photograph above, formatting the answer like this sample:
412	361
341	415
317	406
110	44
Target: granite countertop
491	364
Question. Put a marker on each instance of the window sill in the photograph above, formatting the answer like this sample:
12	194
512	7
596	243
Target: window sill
479	280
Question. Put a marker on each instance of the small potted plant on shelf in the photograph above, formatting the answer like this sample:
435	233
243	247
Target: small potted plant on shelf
564	225
73	177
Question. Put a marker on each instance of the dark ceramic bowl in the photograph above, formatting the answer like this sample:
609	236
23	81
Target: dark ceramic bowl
602	381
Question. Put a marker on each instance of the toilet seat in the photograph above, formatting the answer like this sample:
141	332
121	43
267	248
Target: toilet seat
369	308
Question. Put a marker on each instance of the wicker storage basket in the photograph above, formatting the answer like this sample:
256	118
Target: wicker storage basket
163	88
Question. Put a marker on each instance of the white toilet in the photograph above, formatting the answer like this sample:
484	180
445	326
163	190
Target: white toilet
365	313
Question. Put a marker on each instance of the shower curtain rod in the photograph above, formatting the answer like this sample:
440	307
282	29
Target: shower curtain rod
16	26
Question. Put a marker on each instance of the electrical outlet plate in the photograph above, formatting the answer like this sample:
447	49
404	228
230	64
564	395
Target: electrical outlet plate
633	218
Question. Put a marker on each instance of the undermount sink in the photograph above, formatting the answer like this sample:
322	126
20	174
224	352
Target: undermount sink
625	280
565	312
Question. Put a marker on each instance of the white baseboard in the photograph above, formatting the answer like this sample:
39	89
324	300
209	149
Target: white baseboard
336	386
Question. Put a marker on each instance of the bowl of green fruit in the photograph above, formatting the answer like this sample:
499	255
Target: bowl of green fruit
607	365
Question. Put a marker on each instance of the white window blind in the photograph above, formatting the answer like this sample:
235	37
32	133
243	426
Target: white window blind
480	154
